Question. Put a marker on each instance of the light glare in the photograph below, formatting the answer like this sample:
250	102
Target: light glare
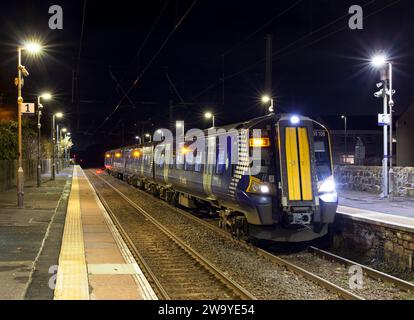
294	119
33	47
46	96
379	61
266	99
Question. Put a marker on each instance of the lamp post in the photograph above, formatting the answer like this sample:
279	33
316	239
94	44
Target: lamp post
209	115
346	135
381	62
267	99
62	134
31	48
58	115
45	96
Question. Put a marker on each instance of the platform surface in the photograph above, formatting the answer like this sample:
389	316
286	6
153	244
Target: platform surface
94	262
30	238
370	207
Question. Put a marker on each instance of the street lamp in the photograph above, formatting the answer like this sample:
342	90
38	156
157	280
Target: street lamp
346	135
64	131
45	96
22	71
382	62
209	115
58	115
266	99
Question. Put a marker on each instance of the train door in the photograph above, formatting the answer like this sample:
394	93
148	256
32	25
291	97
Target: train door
209	166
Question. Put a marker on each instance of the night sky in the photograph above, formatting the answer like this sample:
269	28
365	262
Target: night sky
320	66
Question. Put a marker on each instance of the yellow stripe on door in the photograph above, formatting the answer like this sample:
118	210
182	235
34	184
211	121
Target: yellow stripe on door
292	165
305	165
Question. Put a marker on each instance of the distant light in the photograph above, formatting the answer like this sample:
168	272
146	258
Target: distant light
147	135
379	61
294	120
185	150
136	154
179	125
33	47
69	134
46	96
64	130
343	117
108	155
266	99
59	115
137	138
208	115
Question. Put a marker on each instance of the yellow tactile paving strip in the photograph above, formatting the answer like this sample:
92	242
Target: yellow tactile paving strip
95	263
72	277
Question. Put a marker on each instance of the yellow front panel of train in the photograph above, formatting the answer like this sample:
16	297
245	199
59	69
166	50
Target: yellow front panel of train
305	165
292	165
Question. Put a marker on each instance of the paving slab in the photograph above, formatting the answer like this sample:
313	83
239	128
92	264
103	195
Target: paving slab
30	238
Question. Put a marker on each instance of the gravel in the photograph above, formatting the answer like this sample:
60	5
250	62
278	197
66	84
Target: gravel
263	278
338	274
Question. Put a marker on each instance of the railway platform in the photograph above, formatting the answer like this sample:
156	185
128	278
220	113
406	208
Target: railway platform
94	261
30	237
369	207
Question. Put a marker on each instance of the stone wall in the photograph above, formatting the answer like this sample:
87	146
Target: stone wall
369	179
391	245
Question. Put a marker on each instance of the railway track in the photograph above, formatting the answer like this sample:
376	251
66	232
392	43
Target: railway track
309	271
174	269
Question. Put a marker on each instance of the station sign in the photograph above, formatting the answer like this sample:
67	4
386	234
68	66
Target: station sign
384	120
27	108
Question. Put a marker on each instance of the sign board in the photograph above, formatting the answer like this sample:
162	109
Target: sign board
27	108
384	120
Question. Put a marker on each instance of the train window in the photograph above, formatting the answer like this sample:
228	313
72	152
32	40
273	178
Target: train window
322	155
198	162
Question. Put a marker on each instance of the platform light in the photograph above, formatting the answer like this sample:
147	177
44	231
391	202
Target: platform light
294	120
379	61
46	96
32	47
266	99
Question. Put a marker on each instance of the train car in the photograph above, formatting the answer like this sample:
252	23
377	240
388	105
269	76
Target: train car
289	197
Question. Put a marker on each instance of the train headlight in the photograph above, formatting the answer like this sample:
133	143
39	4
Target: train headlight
258	186
327	186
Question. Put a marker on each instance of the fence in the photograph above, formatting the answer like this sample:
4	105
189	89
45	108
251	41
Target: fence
8	171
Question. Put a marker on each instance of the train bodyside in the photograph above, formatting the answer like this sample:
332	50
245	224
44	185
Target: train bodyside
291	198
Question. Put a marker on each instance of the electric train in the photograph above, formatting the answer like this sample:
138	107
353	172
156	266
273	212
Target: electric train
280	186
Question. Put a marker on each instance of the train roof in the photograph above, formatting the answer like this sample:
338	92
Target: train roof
239	125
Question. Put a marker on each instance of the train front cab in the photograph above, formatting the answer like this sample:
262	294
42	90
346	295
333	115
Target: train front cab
301	185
